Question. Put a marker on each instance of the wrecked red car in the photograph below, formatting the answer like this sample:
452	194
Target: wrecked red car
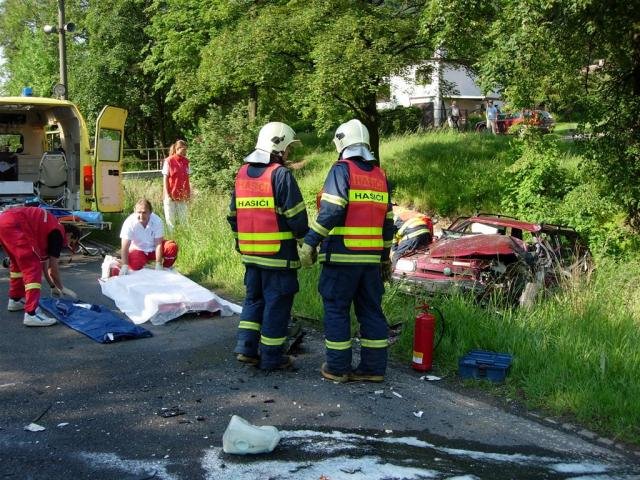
492	254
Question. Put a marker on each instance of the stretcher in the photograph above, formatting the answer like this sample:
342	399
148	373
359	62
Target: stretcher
86	222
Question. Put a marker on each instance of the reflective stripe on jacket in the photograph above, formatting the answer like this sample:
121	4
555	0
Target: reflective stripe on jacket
366	210
260	231
359	237
418	225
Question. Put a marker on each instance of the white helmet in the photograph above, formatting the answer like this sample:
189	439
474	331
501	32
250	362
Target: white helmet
275	137
351	133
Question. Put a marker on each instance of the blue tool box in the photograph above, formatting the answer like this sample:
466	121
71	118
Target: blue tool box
482	364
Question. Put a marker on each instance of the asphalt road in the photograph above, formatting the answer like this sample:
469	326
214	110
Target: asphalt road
101	408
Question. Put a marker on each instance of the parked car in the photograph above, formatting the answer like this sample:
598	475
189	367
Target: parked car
492	254
509	122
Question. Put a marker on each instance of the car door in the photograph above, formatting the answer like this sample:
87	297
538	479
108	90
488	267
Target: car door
108	159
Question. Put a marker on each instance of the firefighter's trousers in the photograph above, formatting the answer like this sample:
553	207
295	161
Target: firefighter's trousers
340	286
266	313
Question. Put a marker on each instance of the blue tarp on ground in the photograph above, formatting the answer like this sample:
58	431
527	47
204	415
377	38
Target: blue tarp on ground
95	321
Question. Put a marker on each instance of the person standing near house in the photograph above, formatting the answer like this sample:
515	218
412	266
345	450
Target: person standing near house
492	117
355	226
455	115
142	240
268	216
33	239
175	184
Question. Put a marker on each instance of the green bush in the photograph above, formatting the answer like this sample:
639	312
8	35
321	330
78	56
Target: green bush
400	120
599	220
222	141
536	183
541	188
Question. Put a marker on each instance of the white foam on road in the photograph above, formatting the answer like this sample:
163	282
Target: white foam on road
361	468
144	468
313	454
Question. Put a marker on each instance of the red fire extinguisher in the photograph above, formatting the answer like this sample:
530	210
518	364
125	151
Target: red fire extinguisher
423	337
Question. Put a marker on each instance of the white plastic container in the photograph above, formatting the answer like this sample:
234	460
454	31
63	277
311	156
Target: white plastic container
242	438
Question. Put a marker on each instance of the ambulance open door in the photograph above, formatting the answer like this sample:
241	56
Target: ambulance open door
108	159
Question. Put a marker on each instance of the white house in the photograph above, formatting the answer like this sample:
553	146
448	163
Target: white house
433	85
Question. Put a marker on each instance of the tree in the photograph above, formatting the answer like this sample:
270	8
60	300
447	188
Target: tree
179	30
31	58
544	51
110	71
324	59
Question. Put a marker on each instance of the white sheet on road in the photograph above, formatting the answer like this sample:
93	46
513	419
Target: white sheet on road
160	296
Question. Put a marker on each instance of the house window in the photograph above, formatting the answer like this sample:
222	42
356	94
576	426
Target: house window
424	75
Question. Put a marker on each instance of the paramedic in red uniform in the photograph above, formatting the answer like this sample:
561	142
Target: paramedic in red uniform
33	238
175	184
268	217
142	240
355	229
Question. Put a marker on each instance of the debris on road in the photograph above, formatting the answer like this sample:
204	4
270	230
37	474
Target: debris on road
243	438
430	378
418	414
42	414
171	412
34	427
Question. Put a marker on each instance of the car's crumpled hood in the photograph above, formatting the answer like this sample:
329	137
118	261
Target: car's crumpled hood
472	245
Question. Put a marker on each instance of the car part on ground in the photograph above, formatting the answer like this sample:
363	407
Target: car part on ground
494	256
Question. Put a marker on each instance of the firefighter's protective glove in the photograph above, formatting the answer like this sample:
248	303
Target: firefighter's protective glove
308	255
124	269
385	270
158	266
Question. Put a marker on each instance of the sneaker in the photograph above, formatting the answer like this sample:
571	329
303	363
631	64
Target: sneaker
358	376
15	305
247	359
39	319
334	377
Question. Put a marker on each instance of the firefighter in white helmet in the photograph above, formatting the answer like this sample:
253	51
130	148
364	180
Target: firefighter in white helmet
267	215
355	229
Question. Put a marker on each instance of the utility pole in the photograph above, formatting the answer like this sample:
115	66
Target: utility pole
62	49
61	90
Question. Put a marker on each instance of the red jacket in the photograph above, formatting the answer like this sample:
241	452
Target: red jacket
37	223
178	178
